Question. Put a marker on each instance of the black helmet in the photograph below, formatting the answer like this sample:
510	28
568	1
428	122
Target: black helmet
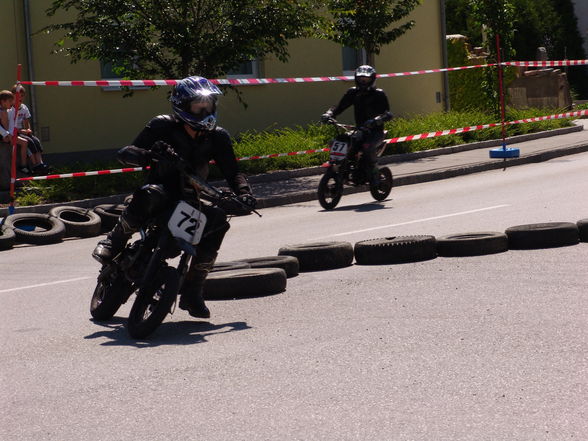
365	77
189	95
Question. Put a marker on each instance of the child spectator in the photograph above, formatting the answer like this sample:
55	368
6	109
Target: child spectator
23	124
6	128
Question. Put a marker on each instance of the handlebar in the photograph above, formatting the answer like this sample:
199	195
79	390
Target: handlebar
336	123
212	193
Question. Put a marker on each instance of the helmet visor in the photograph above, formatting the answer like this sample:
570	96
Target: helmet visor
364	80
202	108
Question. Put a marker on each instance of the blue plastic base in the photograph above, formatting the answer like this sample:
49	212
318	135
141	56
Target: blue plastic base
508	152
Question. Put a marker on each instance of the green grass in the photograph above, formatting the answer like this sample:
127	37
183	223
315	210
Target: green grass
290	140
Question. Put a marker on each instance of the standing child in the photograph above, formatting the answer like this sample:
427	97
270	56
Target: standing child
23	124
7	125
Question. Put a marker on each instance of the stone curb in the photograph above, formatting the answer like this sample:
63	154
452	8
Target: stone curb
309	195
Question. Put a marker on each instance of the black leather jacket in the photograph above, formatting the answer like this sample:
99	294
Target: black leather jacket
214	145
367	104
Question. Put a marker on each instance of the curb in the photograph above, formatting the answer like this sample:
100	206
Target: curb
309	195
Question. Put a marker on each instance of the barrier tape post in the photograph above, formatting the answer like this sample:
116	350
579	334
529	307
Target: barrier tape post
14	139
504	152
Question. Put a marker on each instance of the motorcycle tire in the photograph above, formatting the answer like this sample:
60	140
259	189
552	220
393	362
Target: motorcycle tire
110	293
79	222
287	263
542	235
36	228
7	238
330	190
384	187
153	303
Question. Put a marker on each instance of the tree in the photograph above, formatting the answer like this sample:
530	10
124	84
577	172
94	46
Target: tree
178	38
365	24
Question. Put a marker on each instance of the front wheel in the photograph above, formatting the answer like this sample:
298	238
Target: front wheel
110	293
153	303
384	186
330	190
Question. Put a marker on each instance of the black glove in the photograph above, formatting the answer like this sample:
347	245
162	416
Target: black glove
248	200
327	117
370	124
161	149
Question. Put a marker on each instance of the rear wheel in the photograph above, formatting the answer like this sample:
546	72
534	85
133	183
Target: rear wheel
384	187
330	190
153	303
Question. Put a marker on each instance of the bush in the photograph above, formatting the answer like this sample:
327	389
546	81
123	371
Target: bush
289	140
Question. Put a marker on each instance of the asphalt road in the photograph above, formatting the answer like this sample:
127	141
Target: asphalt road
478	348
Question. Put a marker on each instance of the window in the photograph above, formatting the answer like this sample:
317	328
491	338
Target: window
107	73
247	69
352	58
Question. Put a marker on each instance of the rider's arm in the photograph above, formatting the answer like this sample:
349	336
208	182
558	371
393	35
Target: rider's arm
383	109
343	105
137	154
225	159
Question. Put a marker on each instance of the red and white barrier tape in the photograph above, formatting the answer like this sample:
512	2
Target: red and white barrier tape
484	126
558	63
326	149
259	81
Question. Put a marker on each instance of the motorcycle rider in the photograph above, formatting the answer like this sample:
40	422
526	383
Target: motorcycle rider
371	111
191	133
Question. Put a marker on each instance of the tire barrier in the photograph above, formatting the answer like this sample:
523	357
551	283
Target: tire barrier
79	222
231	265
390	250
319	256
543	235
287	263
583	229
36	228
109	214
7	238
472	244
244	283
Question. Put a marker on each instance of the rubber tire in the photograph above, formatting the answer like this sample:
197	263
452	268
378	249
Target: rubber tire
287	263
106	300
54	229
583	229
138	327
7	237
380	194
230	265
542	235
322	189
472	244
244	283
79	222
319	256
398	249
109	214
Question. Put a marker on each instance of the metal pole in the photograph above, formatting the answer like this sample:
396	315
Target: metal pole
14	137
501	91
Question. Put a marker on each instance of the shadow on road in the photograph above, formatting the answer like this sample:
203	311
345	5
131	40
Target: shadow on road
362	208
186	332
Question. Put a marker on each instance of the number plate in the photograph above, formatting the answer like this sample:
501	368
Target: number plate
187	223
338	150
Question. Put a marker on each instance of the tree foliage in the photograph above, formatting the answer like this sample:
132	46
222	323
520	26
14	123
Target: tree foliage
177	38
367	23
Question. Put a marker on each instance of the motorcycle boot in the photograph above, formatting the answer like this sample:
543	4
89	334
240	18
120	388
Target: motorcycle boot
191	292
107	249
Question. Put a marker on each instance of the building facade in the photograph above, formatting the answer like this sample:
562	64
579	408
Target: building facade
85	121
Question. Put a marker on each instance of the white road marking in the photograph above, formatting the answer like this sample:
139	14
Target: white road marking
45	284
461	213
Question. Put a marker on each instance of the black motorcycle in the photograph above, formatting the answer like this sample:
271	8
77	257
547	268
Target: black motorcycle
346	167
142	266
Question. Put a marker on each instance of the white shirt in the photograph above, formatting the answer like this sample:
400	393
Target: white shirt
23	113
